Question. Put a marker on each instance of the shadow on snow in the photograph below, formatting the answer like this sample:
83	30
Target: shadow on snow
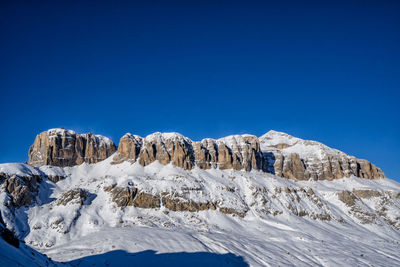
152	258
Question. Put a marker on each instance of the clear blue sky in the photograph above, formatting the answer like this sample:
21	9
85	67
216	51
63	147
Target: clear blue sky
317	70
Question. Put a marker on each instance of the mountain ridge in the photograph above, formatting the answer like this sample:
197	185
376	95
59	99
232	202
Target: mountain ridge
262	199
273	152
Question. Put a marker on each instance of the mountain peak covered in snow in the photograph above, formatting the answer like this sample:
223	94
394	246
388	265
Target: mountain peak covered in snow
274	152
61	147
278	194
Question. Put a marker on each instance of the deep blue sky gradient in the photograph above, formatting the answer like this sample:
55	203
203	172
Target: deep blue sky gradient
327	71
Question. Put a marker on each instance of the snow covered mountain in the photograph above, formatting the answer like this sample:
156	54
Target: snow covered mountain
165	199
16	253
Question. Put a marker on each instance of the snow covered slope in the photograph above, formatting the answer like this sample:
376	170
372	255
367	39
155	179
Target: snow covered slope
16	253
23	256
111	213
259	219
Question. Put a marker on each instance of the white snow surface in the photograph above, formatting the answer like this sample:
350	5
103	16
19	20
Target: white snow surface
306	149
234	140
61	131
20	169
99	233
22	256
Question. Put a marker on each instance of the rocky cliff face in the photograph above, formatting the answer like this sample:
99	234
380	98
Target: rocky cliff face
205	190
240	152
275	152
298	159
163	147
60	147
21	190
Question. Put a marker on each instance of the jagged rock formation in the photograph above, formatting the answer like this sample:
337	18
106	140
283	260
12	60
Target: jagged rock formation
240	152
227	194
122	196
60	147
175	202
298	159
384	201
21	189
166	148
129	196
275	152
73	196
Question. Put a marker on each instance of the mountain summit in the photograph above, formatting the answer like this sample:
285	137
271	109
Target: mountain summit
239	200
275	152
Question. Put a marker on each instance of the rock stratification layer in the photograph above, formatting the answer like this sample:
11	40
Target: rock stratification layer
60	147
298	159
275	152
238	152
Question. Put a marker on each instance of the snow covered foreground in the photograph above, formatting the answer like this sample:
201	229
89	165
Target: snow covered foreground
22	256
98	233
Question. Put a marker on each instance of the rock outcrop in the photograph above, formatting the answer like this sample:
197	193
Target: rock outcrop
275	152
22	190
60	147
298	159
240	152
122	196
165	148
176	202
129	196
73	196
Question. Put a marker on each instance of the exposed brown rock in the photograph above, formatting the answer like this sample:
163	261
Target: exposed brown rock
224	157
354	200
246	152
129	148
293	167
164	148
347	198
73	196
206	154
129	196
367	193
236	152
146	201
21	189
239	152
55	178
60	147
293	197
202	156
310	192
179	203
319	162
232	211
122	196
